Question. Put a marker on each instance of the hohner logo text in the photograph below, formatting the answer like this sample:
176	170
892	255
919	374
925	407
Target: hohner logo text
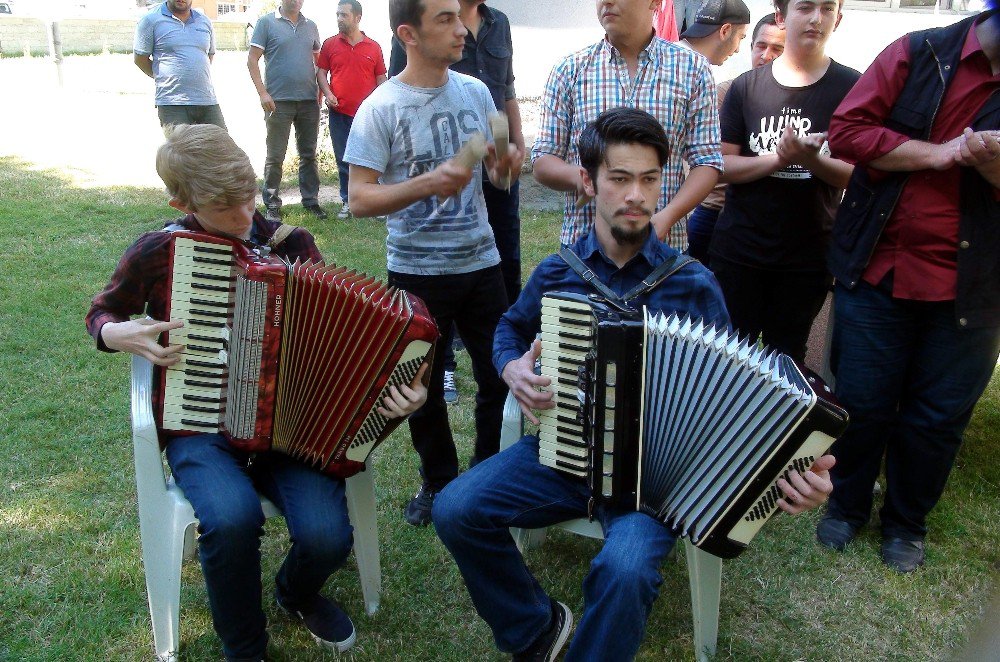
276	321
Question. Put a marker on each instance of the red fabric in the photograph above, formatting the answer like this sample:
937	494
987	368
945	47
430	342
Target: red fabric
664	21
920	241
353	70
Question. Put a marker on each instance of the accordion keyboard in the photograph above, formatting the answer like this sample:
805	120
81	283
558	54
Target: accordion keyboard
566	339
201	293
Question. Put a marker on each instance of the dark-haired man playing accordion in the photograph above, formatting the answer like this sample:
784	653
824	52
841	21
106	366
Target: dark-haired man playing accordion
622	155
210	180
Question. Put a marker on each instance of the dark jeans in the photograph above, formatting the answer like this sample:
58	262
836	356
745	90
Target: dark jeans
701	224
778	305
191	115
216	480
909	377
472	517
340	129
503	210
474	302
305	116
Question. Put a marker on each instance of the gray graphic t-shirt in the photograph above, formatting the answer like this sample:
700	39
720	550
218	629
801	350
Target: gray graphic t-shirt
403	132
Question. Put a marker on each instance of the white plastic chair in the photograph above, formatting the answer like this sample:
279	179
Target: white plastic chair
704	570
167	522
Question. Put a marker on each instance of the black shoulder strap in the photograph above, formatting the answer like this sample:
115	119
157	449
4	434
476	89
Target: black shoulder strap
666	269
587	275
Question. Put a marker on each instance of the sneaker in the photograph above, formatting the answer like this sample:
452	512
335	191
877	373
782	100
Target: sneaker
345	212
316	211
548	644
326	622
418	511
450	390
273	213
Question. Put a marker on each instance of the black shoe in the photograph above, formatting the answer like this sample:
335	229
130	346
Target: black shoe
325	620
548	644
835	533
902	555
273	213
316	211
418	511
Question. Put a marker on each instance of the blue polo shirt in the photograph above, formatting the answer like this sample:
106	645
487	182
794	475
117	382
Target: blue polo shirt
693	291
290	63
180	53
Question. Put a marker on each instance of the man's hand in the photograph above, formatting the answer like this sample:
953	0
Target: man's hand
520	377
809	490
404	400
331	100
506	167
800	151
267	103
139	337
978	148
449	178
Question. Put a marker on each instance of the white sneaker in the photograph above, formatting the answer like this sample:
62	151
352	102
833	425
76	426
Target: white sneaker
345	212
450	390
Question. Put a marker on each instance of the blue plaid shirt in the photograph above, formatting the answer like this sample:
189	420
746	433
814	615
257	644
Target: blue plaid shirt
693	290
672	83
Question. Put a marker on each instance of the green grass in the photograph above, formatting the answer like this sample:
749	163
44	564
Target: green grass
71	582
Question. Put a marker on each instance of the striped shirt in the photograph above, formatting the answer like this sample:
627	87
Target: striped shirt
673	84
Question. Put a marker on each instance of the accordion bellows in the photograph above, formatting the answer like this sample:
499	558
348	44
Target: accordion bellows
294	357
684	421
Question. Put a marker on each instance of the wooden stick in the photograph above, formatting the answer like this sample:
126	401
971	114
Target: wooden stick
501	139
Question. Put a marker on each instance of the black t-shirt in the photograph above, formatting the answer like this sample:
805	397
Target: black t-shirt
781	221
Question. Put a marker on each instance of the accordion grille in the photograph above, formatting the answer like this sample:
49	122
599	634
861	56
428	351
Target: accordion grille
716	410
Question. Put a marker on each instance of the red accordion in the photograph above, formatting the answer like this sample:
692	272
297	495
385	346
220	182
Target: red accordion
294	357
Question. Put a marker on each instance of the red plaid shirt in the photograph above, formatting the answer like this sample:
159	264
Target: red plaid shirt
139	283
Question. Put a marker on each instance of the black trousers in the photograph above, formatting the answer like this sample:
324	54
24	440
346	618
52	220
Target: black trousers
474	302
778	305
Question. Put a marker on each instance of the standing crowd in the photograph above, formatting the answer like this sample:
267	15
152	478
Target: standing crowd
798	177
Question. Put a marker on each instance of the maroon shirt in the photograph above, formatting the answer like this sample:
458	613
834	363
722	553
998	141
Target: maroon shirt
353	70
920	241
139	284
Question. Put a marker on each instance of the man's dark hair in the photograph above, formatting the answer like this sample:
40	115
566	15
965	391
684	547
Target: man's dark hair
355	6
620	126
767	20
406	12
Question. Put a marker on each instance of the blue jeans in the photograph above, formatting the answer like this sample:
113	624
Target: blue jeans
909	377
473	302
304	115
222	488
472	516
701	225
340	129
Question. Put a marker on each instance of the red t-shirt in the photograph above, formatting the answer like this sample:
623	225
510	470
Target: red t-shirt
353	70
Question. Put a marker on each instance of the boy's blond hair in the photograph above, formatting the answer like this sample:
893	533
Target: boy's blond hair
202	166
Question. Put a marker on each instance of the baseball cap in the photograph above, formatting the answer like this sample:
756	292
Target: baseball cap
714	13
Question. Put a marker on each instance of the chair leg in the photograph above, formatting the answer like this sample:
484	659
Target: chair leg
162	556
528	539
705	575
361	508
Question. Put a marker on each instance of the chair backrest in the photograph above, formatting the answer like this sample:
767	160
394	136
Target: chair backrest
150	477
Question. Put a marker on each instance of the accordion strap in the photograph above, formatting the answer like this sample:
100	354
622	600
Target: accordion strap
280	235
665	269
